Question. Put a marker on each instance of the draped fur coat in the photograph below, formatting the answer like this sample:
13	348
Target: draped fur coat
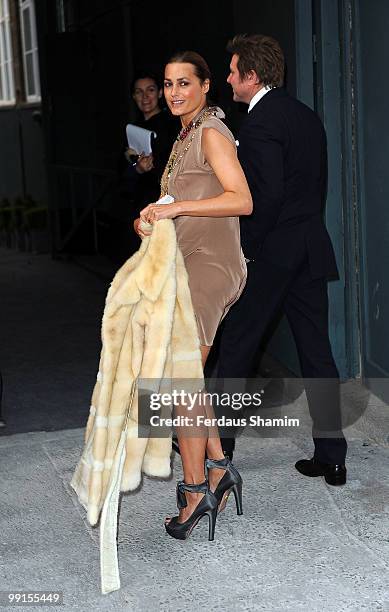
148	331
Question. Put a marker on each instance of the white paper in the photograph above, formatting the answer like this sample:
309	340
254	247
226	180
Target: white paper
167	199
139	139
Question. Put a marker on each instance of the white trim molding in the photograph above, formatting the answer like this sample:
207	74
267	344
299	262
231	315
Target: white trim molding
30	50
7	83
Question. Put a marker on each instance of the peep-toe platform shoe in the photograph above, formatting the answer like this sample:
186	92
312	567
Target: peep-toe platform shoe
231	481
206	507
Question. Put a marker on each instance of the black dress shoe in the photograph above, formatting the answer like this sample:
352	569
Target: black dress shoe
333	474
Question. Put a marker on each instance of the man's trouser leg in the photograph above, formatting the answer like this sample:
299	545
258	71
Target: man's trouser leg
246	324
306	307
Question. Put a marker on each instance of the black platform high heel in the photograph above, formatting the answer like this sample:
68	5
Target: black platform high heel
207	506
231	481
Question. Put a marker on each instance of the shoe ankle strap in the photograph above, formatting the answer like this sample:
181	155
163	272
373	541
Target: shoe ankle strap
217	463
191	488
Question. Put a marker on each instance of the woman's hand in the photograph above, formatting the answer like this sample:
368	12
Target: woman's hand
144	163
156	212
139	231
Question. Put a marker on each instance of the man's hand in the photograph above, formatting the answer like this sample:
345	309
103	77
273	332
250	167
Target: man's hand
144	163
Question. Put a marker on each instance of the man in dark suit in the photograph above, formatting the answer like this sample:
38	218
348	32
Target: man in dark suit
282	149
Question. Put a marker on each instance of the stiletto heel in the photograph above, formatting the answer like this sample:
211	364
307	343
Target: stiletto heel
231	481
212	515
207	506
237	490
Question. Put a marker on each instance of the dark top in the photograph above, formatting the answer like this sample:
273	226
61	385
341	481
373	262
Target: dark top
283	152
145	188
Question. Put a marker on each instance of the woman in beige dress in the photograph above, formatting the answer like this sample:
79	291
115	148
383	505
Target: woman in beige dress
210	191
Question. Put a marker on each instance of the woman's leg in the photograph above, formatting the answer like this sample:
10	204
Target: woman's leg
214	448
193	451
192	443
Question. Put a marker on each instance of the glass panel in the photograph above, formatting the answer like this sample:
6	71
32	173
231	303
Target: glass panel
7	89
1	84
27	29
3	51
30	75
37	84
8	71
60	17
7	43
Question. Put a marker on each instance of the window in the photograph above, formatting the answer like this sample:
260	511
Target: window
30	50
7	87
68	14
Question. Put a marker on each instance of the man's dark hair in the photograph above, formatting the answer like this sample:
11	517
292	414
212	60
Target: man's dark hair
262	54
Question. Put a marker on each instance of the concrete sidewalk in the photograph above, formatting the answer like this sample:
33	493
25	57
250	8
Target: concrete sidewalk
300	545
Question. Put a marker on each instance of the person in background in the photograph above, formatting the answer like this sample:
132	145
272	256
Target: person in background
140	176
147	95
283	152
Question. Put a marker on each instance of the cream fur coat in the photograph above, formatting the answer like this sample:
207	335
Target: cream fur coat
148	331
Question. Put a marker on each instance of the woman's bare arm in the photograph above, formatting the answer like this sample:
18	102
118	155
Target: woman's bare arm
236	200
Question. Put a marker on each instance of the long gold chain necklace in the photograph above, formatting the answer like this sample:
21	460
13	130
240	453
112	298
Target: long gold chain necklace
174	158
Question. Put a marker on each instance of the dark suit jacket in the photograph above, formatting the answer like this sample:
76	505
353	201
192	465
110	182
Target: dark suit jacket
282	149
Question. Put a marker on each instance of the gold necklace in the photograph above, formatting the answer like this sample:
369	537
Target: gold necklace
174	158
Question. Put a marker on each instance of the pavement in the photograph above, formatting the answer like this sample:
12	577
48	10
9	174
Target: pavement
300	545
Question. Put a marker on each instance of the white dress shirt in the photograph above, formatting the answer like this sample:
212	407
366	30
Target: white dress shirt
262	92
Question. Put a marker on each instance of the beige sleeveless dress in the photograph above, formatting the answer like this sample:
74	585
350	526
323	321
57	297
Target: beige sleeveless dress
211	246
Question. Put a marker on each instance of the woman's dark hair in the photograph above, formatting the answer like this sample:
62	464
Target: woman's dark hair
201	68
145	75
262	54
